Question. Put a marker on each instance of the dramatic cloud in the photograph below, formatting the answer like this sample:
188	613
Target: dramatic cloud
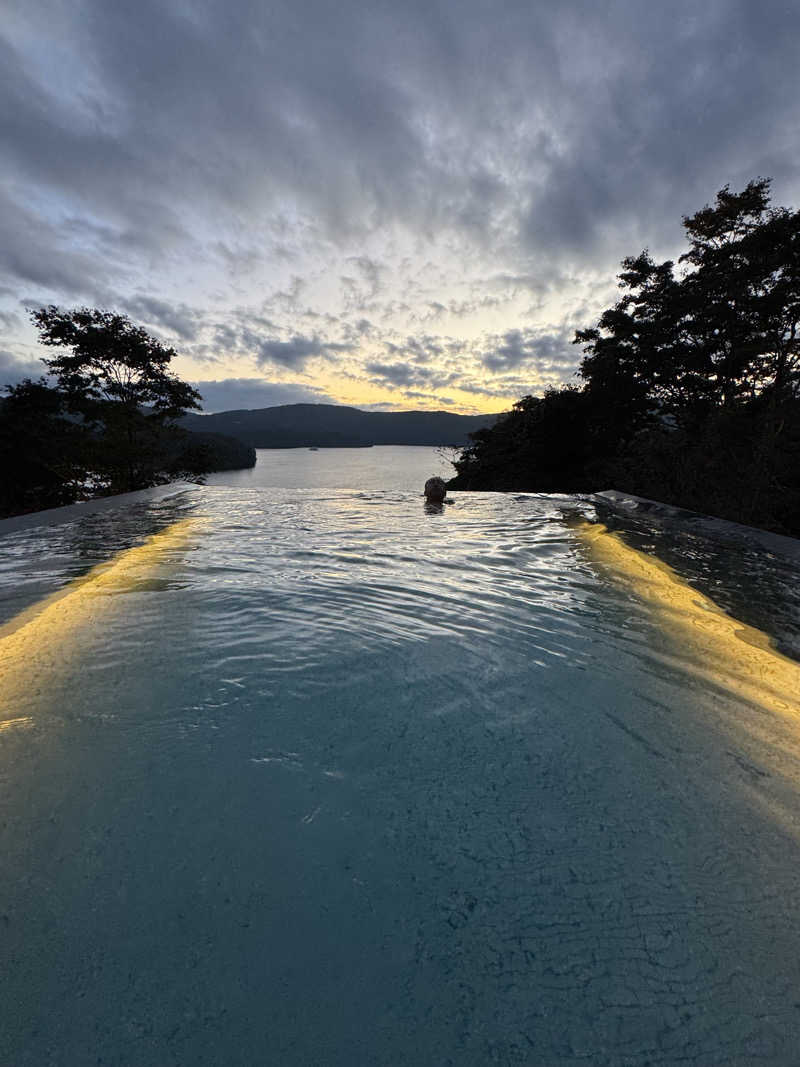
13	370
181	320
315	189
295	352
234	393
393	373
543	351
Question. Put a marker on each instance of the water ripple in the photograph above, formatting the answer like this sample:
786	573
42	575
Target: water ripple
330	758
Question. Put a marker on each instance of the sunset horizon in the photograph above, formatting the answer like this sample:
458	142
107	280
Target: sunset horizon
396	207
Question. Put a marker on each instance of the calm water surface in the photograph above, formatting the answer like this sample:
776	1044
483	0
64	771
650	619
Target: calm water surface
329	778
382	467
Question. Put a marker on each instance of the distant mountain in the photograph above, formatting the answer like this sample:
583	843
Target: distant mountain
336	426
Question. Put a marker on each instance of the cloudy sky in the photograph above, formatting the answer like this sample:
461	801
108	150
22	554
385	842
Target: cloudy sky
407	204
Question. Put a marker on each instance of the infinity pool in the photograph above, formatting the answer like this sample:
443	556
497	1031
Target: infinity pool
329	778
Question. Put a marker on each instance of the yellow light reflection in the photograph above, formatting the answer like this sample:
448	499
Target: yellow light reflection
39	641
729	653
20	722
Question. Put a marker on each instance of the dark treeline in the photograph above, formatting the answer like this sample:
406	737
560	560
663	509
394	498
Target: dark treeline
690	387
104	421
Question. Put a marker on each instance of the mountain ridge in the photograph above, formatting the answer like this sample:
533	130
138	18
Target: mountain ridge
338	426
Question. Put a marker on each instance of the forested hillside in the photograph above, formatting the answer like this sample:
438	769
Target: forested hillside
690	383
333	425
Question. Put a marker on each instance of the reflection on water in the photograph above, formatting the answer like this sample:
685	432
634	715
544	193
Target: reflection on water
42	640
724	650
35	563
741	576
320	777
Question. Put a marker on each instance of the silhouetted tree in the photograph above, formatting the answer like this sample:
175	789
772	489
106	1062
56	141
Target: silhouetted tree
114	376
544	444
700	348
44	456
691	381
719	334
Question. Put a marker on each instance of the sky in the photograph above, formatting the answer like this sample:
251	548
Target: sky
391	205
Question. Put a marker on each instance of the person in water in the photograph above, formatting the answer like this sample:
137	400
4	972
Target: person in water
435	491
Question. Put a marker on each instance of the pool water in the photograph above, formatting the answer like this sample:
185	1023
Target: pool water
330	777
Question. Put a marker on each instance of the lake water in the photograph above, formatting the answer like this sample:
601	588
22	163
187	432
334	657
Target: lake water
382	467
322	776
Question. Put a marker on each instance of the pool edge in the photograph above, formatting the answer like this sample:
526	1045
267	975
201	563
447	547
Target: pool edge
781	544
53	516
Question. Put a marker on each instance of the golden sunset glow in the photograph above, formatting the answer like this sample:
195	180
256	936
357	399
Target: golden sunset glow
724	651
42	640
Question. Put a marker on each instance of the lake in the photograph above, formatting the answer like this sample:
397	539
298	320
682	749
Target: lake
390	467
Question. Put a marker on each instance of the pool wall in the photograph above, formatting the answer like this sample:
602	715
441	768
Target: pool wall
53	516
773	542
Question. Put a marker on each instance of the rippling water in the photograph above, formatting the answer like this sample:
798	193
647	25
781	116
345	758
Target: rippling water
327	777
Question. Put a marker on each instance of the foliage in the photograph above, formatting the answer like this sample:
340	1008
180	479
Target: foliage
114	376
43	456
111	360
108	424
542	445
691	381
196	453
719	333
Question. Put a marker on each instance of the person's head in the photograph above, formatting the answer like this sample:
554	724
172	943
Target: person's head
435	490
